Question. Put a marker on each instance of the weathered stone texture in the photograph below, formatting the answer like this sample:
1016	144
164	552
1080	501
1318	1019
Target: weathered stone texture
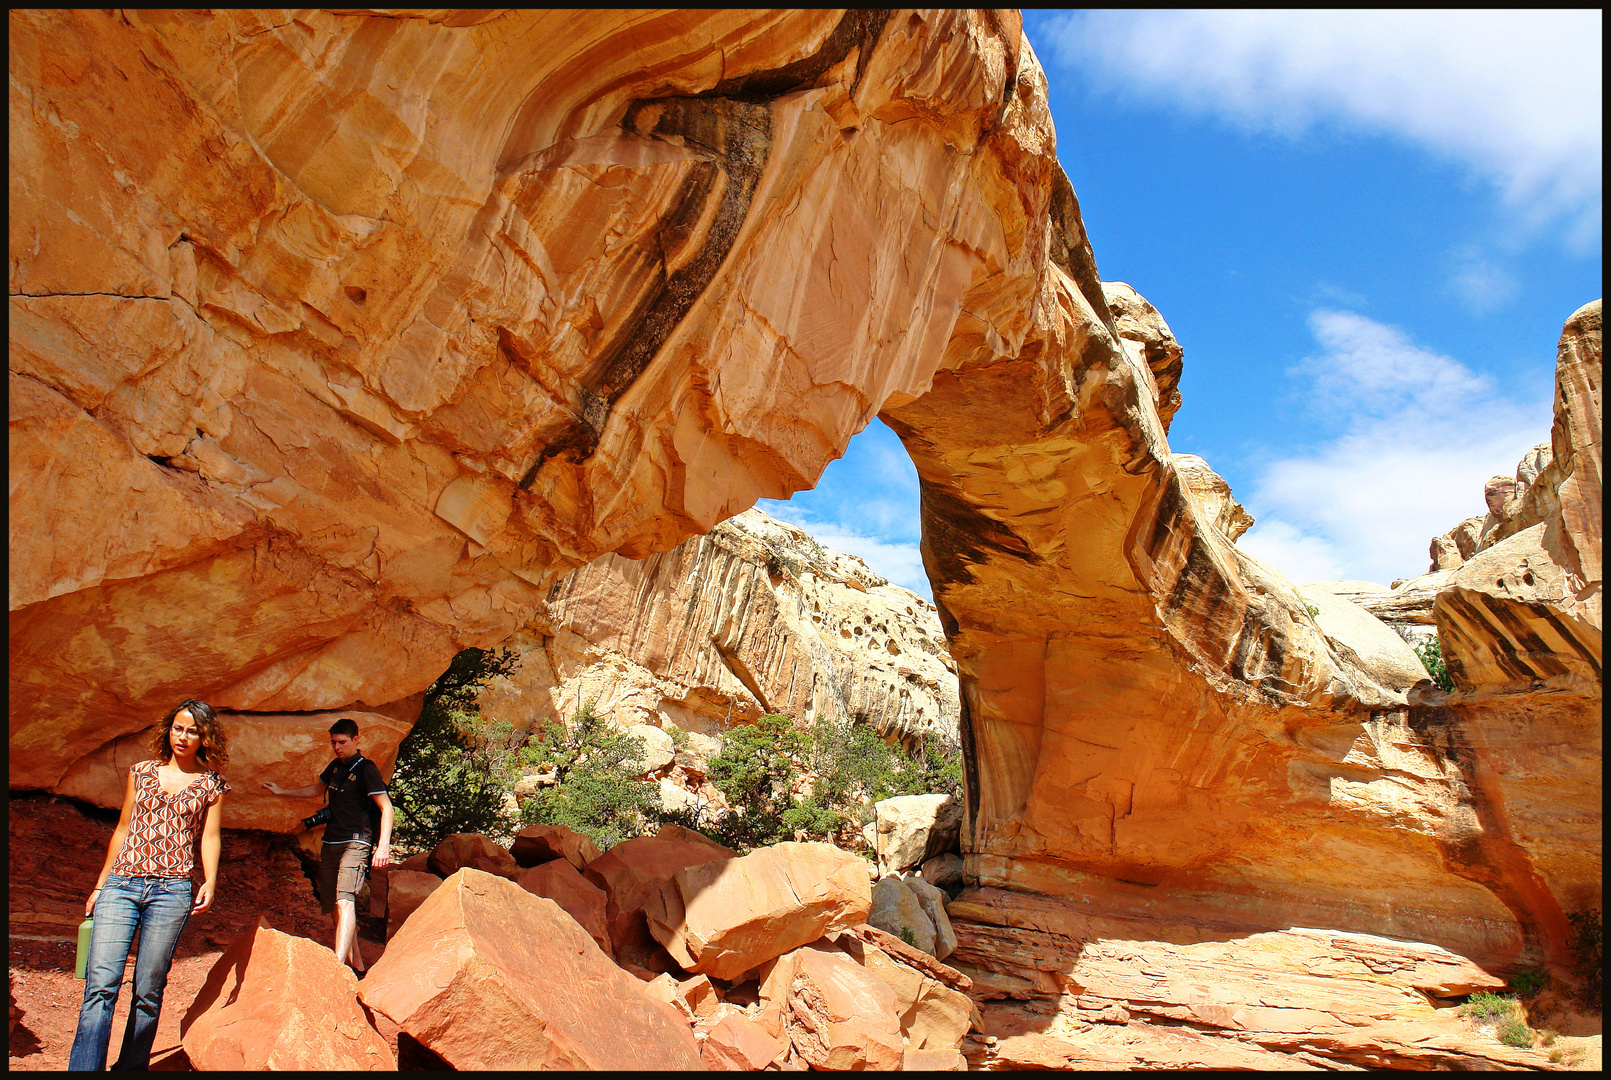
753	618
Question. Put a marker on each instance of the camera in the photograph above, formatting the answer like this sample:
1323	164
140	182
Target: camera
317	818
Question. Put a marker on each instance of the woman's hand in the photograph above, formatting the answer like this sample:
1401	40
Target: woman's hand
204	898
272	787
89	905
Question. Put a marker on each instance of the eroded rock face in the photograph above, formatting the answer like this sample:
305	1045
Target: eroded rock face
345	391
754	618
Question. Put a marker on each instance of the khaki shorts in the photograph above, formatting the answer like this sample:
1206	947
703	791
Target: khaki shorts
343	871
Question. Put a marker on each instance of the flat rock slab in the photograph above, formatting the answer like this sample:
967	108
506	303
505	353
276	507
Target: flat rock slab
488	976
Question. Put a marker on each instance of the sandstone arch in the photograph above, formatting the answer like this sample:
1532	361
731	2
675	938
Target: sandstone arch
337	340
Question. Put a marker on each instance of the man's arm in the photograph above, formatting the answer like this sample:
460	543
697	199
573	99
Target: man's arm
313	789
383	845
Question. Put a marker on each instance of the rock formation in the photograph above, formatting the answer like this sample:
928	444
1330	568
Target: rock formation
339	339
756	617
274	1001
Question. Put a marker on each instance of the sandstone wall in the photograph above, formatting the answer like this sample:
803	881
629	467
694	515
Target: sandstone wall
754	617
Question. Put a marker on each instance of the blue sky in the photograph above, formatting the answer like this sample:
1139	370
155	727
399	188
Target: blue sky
1365	228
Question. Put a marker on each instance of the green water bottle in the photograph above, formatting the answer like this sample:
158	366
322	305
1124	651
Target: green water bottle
84	929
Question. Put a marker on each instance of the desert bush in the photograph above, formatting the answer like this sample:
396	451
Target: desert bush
1431	653
1556	1057
453	767
598	790
761	767
1528	981
1515	1033
1486	1006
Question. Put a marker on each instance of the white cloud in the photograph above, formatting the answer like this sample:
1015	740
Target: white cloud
1515	95
1299	556
1480	283
1423	434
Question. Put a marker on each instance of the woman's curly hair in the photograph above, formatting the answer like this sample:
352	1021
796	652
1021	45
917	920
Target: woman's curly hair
214	750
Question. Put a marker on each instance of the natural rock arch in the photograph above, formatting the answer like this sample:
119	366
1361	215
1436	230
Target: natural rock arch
336	341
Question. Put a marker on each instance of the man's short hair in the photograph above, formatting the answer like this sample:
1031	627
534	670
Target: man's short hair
345	726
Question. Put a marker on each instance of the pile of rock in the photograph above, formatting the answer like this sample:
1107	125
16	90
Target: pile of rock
664	952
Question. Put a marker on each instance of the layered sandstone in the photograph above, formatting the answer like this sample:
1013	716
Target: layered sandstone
754	618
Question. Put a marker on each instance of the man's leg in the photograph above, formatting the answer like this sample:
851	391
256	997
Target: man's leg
347	932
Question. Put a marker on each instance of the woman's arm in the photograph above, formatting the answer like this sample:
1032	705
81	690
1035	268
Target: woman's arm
114	848
210	843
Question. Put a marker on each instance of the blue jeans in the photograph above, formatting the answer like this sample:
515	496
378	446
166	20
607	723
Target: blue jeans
158	908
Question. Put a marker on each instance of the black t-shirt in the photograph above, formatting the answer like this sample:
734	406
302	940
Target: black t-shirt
353	813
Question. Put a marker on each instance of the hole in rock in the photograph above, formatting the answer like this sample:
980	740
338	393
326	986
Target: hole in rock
355	294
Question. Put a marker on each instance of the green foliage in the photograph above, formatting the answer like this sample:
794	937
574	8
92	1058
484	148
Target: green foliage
1585	949
1312	610
1515	1033
1528	981
1431	653
679	737
907	936
1486	1006
453	767
761	765
597	790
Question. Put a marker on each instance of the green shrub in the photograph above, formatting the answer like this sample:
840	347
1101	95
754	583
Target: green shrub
760	766
1431	653
1515	1033
1528	981
679	737
597	789
907	936
1556	1057
453	768
1486	1006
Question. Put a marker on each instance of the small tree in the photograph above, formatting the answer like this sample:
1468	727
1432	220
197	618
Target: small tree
597	788
453	768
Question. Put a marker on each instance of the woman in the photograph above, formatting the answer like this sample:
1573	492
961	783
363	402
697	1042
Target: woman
172	798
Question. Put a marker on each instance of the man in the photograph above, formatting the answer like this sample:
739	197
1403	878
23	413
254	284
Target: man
358	835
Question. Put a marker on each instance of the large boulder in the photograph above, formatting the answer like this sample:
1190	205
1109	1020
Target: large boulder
274	1001
897	910
910	828
1364	640
944	871
539	843
475	851
658	750
837	1014
735	1042
584	901
406	890
932	901
634	870
488	976
725	918
934	1014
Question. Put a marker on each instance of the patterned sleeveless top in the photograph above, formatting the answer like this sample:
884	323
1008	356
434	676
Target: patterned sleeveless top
163	829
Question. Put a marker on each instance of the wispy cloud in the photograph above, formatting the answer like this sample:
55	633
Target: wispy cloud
1479	282
1417	434
1515	95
